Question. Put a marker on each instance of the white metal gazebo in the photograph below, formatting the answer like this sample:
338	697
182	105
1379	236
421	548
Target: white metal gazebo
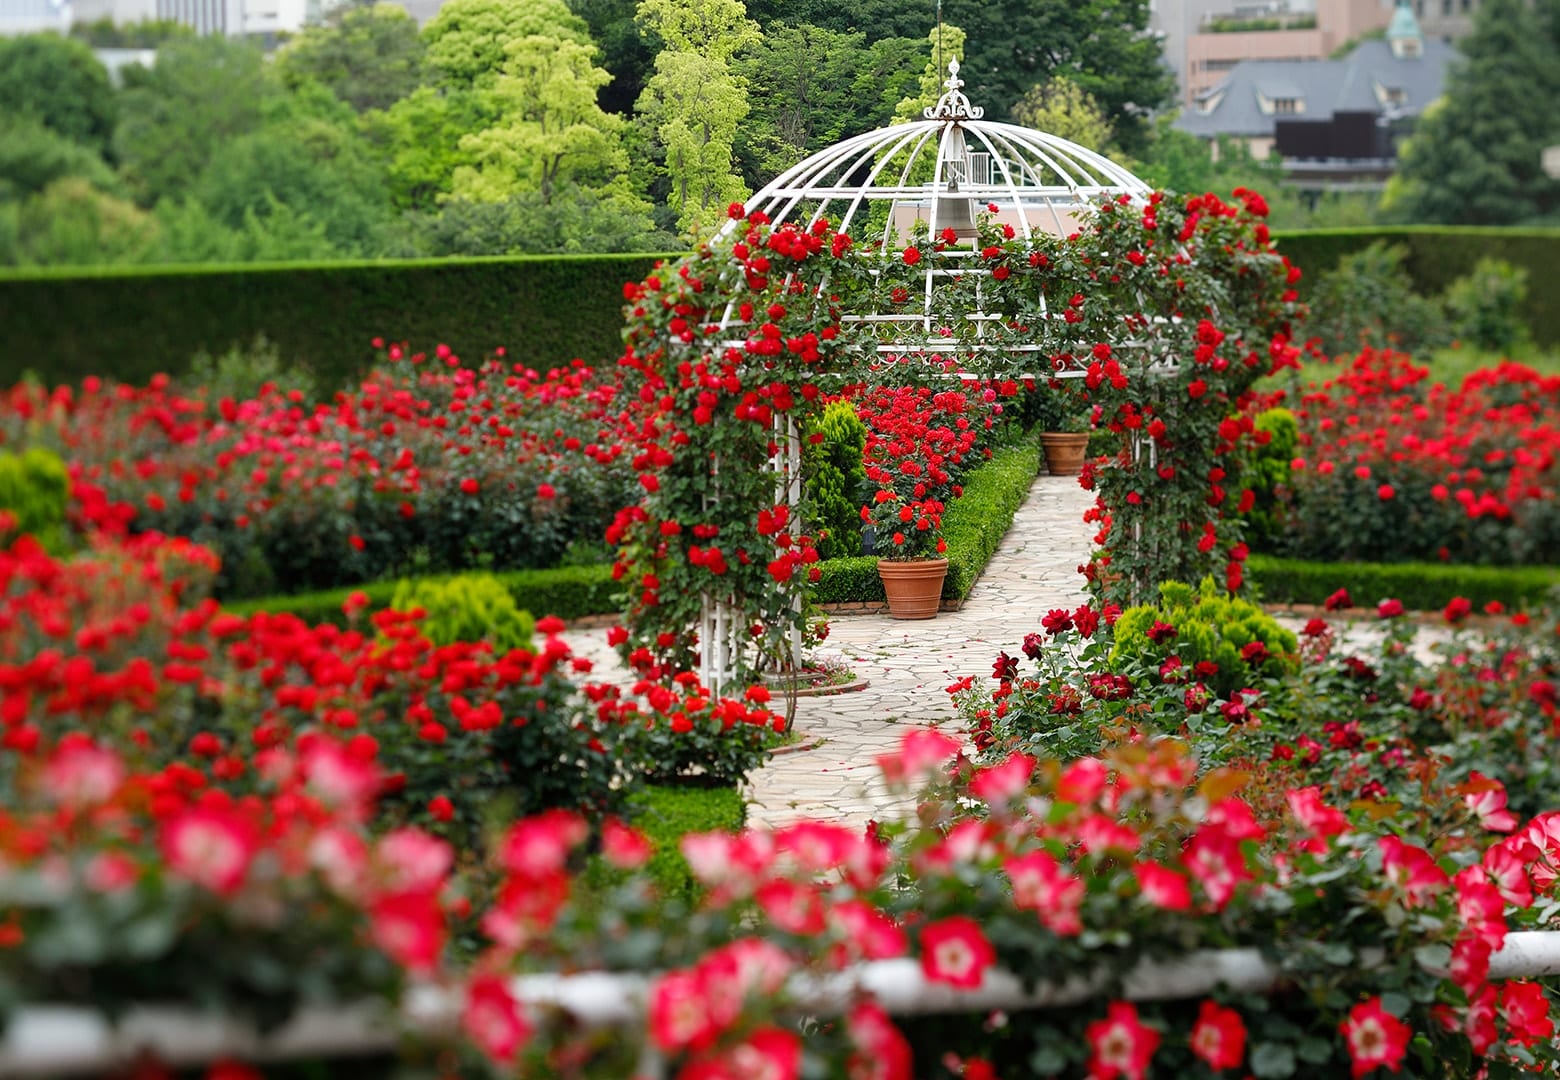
883	187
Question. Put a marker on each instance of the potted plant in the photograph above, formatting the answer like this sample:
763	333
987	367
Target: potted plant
1065	418
910	546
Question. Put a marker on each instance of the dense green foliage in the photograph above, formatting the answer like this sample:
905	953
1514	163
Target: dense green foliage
34	491
1223	642
467	607
836	480
1436	256
1475	158
666	814
1420	586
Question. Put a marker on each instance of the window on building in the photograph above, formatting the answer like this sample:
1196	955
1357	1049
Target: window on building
1286	105
1419	8
1446	7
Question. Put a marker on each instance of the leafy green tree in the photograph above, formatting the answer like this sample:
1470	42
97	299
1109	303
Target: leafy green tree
573	221
368	56
33	156
71	222
1063	108
1103	45
203	92
276	232
695	101
945	43
467	40
877	19
320	172
809	87
551	132
58	82
625	52
418	140
1476	160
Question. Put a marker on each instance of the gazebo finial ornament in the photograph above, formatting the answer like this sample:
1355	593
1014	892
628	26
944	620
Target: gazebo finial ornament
953	105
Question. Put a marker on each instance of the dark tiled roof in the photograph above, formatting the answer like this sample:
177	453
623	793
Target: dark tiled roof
1326	87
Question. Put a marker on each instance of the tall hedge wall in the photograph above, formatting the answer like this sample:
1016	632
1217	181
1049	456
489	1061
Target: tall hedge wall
1438	255
131	322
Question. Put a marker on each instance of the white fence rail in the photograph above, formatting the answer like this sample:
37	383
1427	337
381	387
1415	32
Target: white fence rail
65	1041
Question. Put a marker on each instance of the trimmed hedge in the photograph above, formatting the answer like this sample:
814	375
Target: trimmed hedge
130	323
973	526
1420	586
1439	254
976	522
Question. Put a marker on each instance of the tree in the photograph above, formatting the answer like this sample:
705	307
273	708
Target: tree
695	102
370	57
467	38
58	82
573	221
947	43
801	93
418	140
1103	45
307	170
551	131
1476	159
1063	108
625	52
33	156
73	223
877	19
202	92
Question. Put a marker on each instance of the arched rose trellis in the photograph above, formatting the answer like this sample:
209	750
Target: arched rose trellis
1162	310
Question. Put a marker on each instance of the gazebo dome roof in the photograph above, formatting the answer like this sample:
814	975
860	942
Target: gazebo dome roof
927	168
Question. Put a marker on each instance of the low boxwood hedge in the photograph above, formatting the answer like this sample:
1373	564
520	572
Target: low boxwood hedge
568	592
973	526
1420	586
975	523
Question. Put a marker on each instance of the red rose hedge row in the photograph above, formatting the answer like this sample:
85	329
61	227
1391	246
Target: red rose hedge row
1391	467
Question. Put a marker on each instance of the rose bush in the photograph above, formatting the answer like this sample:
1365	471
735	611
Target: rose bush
1390	467
427	467
120	646
1381	933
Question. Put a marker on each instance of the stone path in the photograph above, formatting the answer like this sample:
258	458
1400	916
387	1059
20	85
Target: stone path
909	663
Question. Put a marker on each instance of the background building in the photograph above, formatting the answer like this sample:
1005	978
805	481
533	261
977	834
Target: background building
1333	123
35	16
1205	39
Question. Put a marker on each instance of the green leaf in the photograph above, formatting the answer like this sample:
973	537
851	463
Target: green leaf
1314	1050
1435	958
1395	1003
1275	1060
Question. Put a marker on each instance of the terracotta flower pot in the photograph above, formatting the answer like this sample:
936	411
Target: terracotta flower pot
1064	451
913	586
